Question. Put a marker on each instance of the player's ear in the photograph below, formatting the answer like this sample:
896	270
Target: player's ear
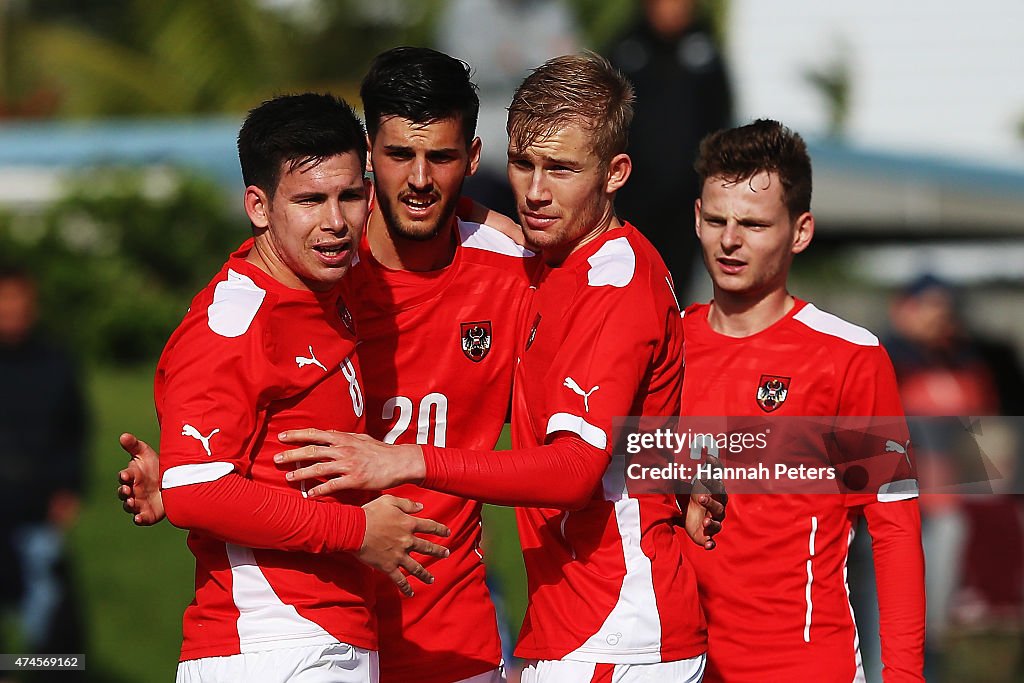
369	155
475	148
257	206
619	169
696	216
803	232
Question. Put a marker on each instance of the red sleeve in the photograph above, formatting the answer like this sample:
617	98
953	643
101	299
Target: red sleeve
872	434
210	387
273	519
562	474
889	503
899	570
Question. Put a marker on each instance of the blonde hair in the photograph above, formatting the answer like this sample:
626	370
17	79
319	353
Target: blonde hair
583	89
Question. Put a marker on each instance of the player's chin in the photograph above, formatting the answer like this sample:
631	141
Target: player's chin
541	239
328	276
730	282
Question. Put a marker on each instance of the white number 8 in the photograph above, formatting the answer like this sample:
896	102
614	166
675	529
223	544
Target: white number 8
349	371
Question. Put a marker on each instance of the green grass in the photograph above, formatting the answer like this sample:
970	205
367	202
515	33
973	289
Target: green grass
135	582
503	556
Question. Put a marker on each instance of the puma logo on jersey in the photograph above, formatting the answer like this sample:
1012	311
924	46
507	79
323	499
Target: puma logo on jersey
189	430
576	389
897	447
303	362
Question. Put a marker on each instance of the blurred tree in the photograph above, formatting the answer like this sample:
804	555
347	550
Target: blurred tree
343	36
145	57
129	57
833	80
119	257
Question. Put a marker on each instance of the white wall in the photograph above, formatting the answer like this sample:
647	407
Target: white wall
943	77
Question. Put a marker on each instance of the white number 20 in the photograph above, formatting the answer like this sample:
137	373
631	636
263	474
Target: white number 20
432	403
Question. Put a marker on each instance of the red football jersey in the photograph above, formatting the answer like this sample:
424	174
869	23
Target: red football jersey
251	358
774	590
439	349
607	583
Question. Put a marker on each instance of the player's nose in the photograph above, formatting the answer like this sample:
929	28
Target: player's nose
731	236
334	219
537	192
419	175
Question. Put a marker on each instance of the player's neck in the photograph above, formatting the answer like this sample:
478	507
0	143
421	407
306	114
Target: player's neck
398	253
735	316
265	257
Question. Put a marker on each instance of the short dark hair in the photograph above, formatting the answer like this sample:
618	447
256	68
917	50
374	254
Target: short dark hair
421	85
298	130
584	89
738	154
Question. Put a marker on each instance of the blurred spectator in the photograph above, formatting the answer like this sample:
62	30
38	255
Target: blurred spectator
42	441
974	543
940	365
682	94
502	40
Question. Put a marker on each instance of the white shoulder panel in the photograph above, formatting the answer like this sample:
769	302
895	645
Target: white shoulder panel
481	236
235	304
613	265
833	325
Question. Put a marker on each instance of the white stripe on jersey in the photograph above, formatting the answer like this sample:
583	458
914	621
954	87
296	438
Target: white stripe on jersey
199	473
810	580
894	491
264	622
858	675
566	422
631	634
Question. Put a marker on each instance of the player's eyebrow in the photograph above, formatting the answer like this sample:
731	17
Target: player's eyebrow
408	148
561	162
752	220
304	195
354	191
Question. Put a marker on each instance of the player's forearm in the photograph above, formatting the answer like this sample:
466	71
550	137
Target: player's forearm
241	511
560	475
899	569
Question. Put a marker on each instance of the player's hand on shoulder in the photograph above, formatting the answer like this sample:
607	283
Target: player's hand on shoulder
392	533
139	488
478	213
349	461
